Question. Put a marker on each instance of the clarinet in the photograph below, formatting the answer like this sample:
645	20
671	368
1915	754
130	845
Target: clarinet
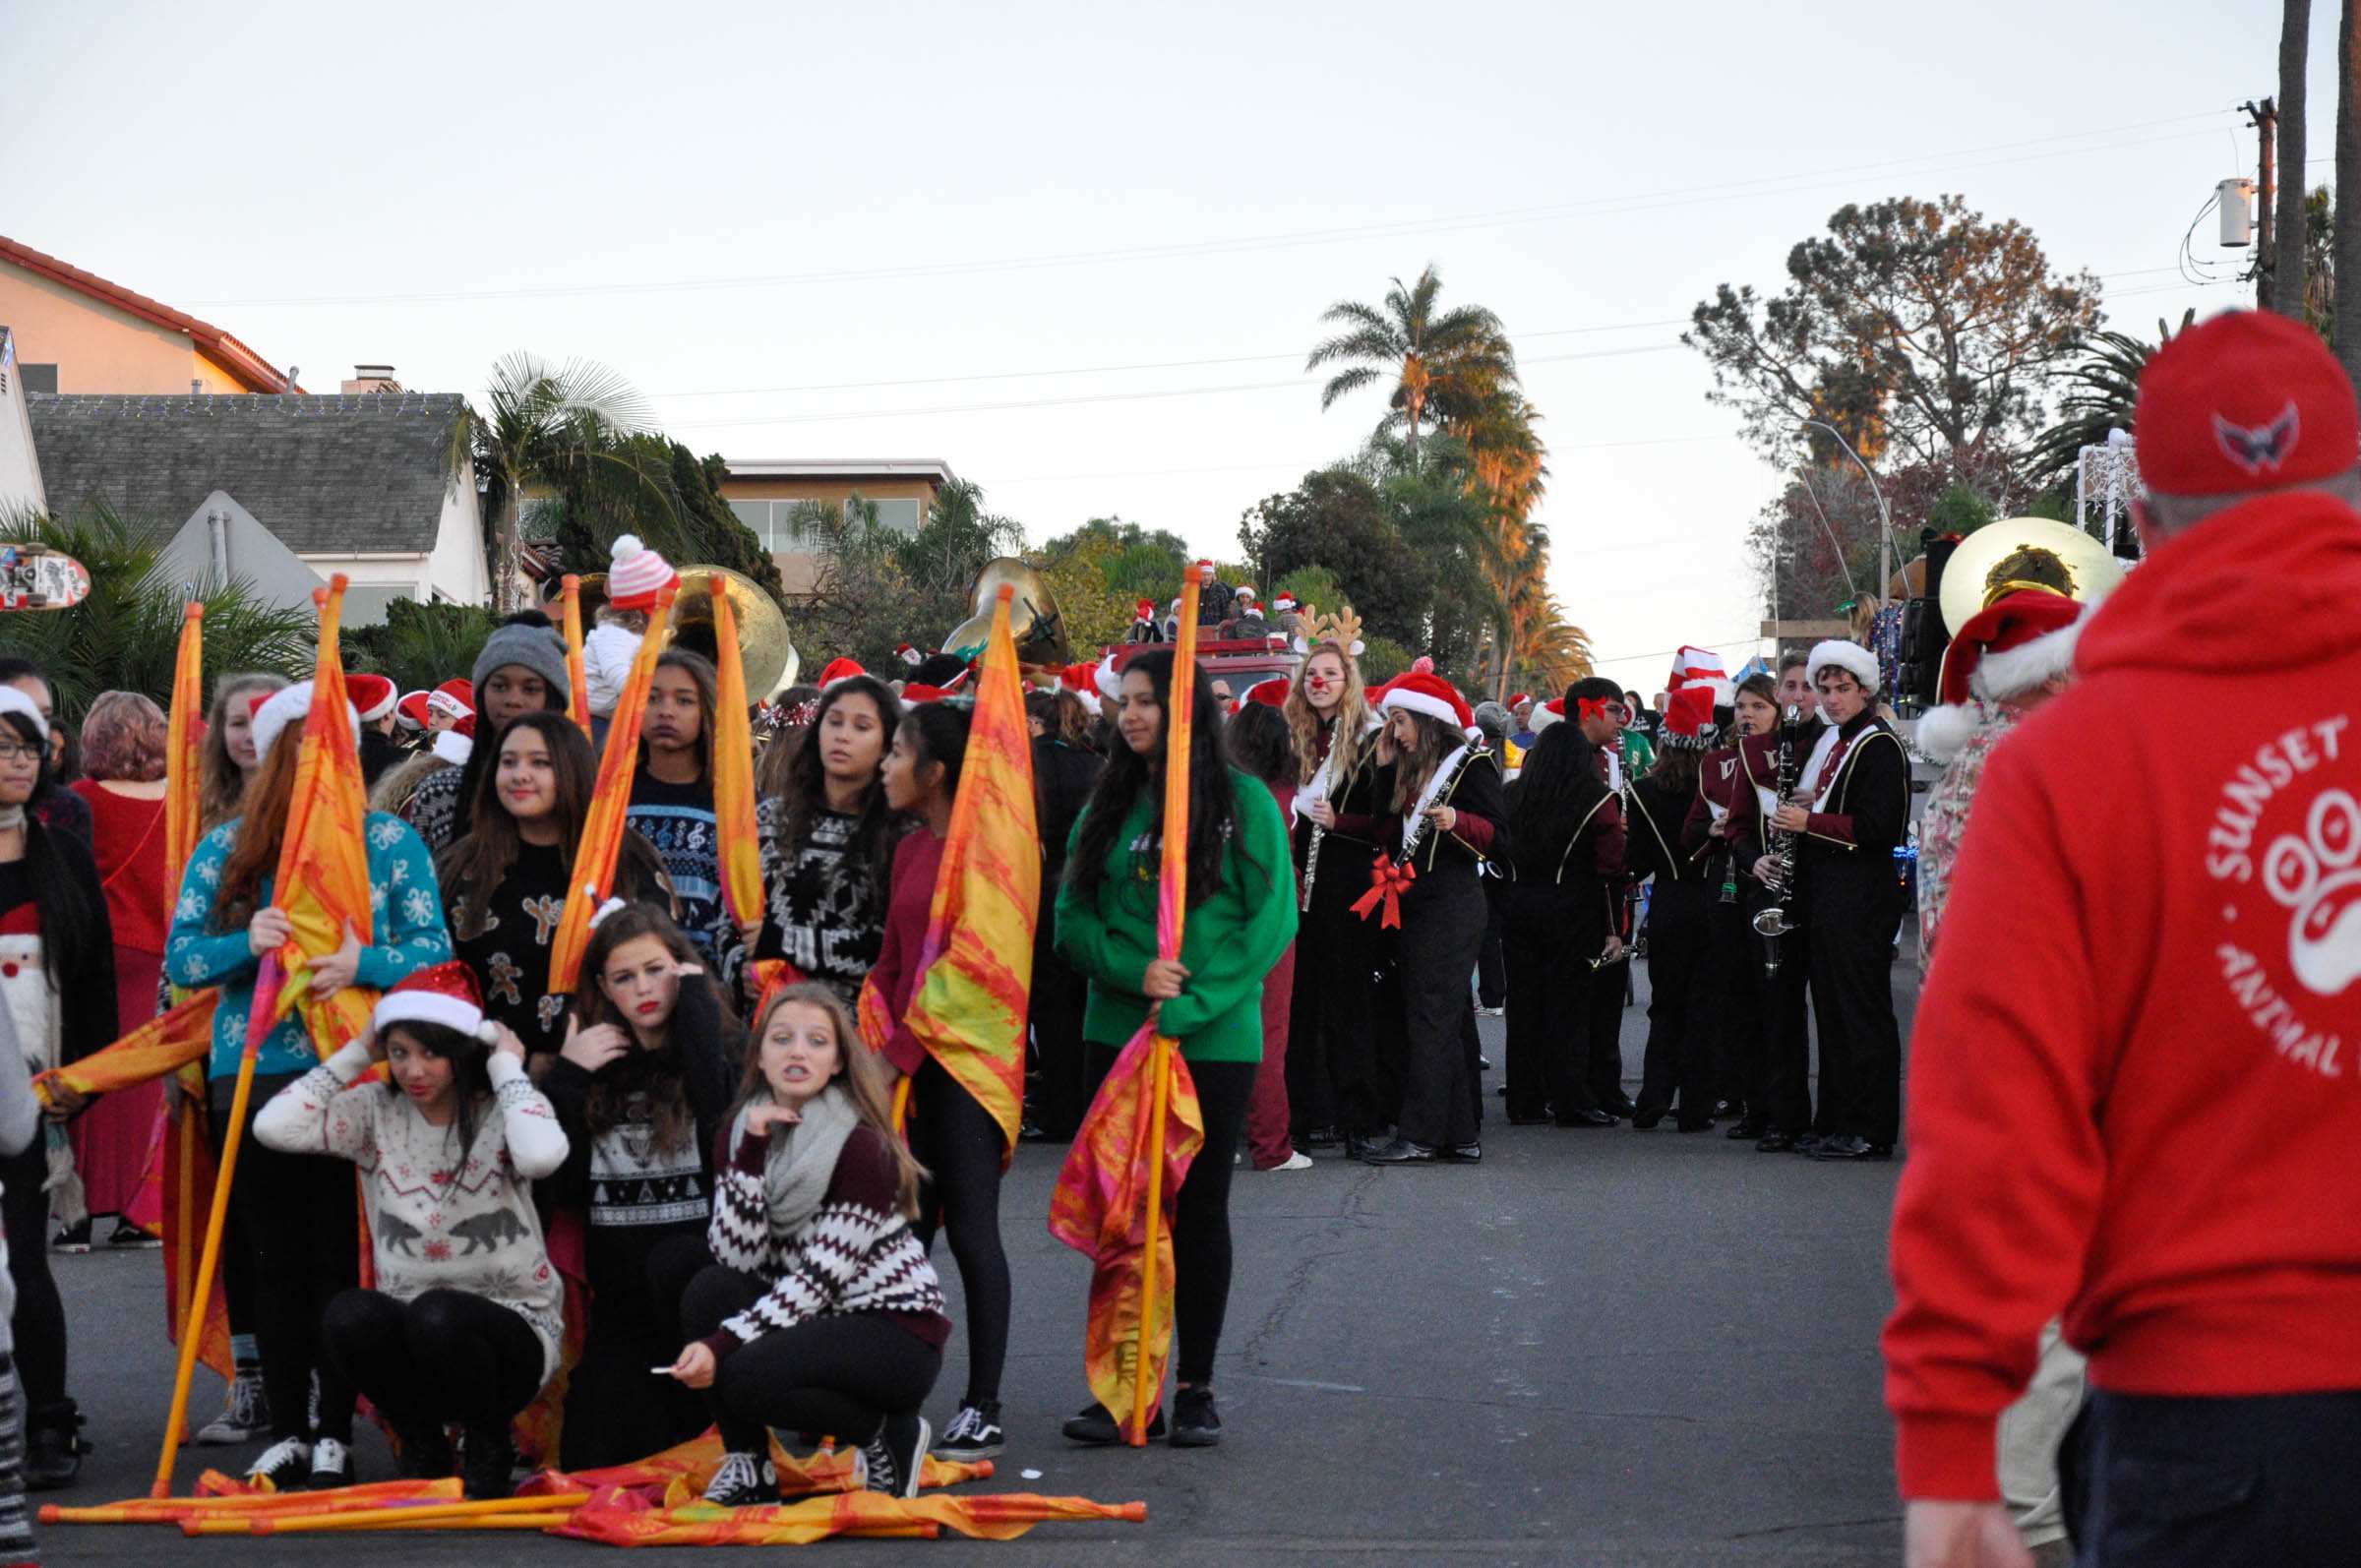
1311	869
1772	923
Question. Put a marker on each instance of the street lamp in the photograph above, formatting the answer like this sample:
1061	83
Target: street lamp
1885	519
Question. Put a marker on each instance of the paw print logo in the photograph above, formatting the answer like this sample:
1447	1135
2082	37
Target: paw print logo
2314	875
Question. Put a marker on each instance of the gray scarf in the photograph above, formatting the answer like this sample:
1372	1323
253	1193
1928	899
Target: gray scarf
803	1156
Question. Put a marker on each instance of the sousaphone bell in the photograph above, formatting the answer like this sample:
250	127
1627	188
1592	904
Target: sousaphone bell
1033	617
2020	553
765	646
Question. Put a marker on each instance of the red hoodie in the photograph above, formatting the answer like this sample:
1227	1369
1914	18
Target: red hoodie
2133	1078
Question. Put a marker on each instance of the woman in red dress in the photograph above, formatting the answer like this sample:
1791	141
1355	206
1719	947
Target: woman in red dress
123	761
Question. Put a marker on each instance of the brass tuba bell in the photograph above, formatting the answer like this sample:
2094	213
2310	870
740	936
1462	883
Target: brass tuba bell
1033	617
2020	553
764	644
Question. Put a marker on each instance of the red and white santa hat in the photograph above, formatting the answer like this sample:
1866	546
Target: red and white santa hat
1689	717
918	692
413	709
1144	610
907	654
1424	691
274	711
1694	664
1285	604
1546	713
2005	650
1244	594
1271	694
635	575
23	707
371	696
1083	681
442	993
840	670
454	699
1108	678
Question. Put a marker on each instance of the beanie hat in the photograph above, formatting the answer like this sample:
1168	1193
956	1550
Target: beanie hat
2249	400
1841	655
371	696
635	575
275	711
442	993
1689	717
1493	719
14	701
1423	691
537	648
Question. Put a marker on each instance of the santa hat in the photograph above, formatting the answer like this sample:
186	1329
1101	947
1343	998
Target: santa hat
1548	713
1284	603
1083	681
1244	594
1519	700
1271	694
1423	691
1694	664
371	696
1725	692
1144	610
907	654
17	702
442	993
274	711
915	692
2005	650
1835	654
1108	678
635	575
454	699
412	708
457	744
840	670
1689	718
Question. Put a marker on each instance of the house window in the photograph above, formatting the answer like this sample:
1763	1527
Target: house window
38	378
896	514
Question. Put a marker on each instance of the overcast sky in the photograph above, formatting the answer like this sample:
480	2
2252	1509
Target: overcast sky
1079	251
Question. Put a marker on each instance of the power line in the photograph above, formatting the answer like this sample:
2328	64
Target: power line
1769	184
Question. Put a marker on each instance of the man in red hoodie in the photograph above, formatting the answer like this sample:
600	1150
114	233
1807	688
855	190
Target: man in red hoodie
2133	1077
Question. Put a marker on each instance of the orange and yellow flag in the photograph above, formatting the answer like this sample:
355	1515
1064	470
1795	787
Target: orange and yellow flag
184	742
1117	1193
578	684
741	850
975	963
602	836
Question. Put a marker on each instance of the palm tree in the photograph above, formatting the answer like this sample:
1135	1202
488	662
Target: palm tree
1445	362
546	426
2105	387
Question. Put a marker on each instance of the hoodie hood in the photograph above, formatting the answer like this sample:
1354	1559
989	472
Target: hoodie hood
2268	585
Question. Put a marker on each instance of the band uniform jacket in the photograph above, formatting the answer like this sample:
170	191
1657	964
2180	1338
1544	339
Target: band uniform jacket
1474	790
1859	813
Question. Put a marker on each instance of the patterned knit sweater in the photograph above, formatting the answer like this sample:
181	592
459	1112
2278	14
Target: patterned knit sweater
823	906
854	1255
439	1220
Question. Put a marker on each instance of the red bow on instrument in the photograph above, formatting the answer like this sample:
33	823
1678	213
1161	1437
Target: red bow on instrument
1388	882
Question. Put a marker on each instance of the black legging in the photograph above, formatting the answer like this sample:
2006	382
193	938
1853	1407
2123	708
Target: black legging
840	1374
1058	999
615	1412
1202	1210
299	1220
40	1323
959	1144
442	1356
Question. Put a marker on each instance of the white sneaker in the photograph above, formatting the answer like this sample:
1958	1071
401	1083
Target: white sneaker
332	1466
286	1465
1298	1161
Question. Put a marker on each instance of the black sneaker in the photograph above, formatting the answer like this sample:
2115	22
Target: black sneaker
488	1463
1196	1422
974	1433
1096	1428
892	1461
245	1415
72	1238
1402	1151
426	1453
743	1481
286	1465
332	1466
1469	1153
129	1237
53	1447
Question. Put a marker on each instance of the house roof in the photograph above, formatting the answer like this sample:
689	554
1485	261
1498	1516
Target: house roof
934	468
248	368
329	475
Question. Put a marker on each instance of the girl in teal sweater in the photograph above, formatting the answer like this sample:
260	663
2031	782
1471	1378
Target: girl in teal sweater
1241	916
292	1216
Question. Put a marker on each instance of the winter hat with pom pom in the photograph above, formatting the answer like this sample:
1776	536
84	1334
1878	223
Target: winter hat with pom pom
636	576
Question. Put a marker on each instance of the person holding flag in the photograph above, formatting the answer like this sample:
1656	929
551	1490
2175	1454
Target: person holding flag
294	1214
1240	918
827	838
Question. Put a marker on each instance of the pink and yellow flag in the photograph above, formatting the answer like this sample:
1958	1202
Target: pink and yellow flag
1117	1193
740	850
578	684
602	836
975	962
183	742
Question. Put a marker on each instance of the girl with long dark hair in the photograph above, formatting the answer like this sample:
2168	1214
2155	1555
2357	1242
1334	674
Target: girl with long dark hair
292	1214
463	1324
1065	767
1445	813
951	1134
1681	1022
57	980
641	1089
1565	834
505	882
522	670
1208	999
827	840
822	1313
672	800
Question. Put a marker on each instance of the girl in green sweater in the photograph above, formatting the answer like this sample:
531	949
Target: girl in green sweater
1241	916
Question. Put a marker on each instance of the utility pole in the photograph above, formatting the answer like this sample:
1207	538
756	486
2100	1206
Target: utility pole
2291	224
2263	117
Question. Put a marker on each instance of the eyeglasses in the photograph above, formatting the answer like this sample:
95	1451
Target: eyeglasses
14	751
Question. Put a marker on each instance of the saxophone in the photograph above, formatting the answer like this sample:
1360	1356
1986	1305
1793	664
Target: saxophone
1772	923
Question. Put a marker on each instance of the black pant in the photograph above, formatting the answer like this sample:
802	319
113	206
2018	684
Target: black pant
1729	987
1201	1209
1334	1073
959	1144
1443	927
1491	962
1603	1066
40	1323
840	1374
1680	1014
1786	1038
1548	948
1059	996
615	1412
441	1358
2263	1481
1851	912
298	1218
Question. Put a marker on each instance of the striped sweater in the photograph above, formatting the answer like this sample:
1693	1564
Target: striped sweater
854	1255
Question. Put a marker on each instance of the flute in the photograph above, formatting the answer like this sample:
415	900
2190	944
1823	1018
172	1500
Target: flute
1311	869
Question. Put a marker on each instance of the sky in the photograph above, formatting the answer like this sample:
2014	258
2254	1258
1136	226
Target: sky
1079	251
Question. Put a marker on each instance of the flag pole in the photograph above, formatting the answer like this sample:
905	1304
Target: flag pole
1171	908
578	684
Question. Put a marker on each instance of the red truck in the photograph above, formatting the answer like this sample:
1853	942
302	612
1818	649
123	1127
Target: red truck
1240	661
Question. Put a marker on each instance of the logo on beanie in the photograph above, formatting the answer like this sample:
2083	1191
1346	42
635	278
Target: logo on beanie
2259	449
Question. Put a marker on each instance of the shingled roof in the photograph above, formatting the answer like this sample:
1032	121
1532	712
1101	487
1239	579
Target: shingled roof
328	475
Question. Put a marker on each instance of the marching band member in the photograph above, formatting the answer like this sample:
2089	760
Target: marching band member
1566	855
1680	1015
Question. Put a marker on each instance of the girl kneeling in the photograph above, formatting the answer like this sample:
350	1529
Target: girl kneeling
464	1323
823	1313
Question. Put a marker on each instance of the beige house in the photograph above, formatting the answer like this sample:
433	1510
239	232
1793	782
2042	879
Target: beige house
77	333
765	494
20	472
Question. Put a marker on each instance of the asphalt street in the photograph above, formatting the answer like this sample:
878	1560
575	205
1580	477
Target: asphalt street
1602	1345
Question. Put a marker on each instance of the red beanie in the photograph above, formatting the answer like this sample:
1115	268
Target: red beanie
2249	400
